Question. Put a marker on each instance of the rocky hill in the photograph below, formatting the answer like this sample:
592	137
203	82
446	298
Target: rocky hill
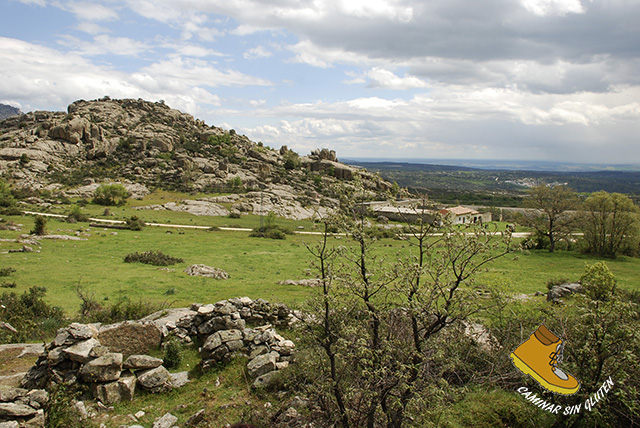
148	145
8	111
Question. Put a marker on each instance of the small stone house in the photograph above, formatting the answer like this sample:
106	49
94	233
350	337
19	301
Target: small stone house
464	215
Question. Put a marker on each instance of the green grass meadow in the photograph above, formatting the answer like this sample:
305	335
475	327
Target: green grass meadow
255	266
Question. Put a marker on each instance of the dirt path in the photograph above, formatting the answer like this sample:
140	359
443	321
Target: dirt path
16	359
235	229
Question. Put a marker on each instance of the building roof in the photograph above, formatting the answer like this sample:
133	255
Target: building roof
459	210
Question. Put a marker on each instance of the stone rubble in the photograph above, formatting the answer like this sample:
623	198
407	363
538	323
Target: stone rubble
110	359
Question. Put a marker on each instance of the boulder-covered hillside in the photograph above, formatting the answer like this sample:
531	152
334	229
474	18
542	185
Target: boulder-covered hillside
150	145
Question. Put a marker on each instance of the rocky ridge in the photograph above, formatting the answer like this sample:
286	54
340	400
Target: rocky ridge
8	111
148	145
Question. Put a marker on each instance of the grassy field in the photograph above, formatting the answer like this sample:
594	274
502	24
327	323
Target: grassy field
255	266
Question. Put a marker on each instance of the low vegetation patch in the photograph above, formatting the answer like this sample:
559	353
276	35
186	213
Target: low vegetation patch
6	271
152	257
29	315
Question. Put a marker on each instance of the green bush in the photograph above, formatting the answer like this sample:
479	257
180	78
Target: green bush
76	214
123	309
152	257
30	315
110	194
598	282
40	226
135	223
234	215
172	354
60	411
270	229
9	285
6	271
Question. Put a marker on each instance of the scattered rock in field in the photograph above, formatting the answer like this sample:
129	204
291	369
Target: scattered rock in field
558	291
303	282
206	271
167	421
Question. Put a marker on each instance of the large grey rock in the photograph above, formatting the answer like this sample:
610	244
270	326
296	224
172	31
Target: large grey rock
167	421
178	380
115	392
102	369
130	337
38	398
172	318
80	351
154	380
9	424
16	410
212	342
142	362
558	291
8	393
81	331
206	271
262	364
229	335
265	380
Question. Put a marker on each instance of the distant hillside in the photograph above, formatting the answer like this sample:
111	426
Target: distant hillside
8	111
446	183
153	146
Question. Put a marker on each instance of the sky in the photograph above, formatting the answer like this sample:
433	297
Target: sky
555	80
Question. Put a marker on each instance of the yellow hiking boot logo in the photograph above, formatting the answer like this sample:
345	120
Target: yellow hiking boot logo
539	357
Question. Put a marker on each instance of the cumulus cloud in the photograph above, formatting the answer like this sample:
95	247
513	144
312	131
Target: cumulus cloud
257	52
386	79
89	11
104	44
33	73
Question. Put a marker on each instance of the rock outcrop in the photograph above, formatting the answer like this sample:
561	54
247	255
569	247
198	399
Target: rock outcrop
145	144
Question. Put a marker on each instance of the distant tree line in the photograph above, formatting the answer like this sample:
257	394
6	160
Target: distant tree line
609	222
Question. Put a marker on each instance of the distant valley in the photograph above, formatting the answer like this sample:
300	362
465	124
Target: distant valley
498	187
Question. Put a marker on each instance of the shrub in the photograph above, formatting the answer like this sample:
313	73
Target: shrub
152	257
135	223
598	281
291	160
40	226
9	285
172	354
110	194
234	215
6	197
76	214
60	411
270	229
29	314
121	310
6	271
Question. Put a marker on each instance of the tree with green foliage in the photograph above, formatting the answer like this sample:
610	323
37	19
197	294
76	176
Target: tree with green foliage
39	226
551	216
110	194
377	323
611	224
6	197
603	340
291	160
